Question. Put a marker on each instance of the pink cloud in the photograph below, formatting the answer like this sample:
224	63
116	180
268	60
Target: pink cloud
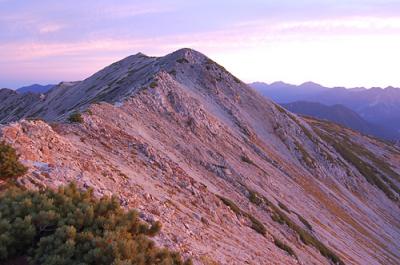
50	28
294	51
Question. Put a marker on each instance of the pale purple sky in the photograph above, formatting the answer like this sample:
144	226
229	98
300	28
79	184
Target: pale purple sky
332	42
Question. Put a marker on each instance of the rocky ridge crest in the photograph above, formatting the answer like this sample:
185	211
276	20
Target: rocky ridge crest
229	173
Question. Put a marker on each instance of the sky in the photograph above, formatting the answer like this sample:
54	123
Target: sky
348	43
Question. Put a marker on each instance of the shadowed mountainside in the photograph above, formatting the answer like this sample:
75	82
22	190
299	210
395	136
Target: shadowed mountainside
341	115
377	106
35	88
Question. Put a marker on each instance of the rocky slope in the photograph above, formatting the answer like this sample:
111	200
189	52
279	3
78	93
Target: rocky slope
234	178
14	105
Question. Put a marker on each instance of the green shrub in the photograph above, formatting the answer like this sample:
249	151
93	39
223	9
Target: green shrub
310	162
278	218
256	225
75	117
254	198
283	207
307	238
366	170
377	163
284	247
304	129
280	109
370	173
246	159
305	222
153	84
231	205
70	226
10	167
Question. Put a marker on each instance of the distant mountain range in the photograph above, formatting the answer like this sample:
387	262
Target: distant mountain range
339	114
377	107
35	88
285	93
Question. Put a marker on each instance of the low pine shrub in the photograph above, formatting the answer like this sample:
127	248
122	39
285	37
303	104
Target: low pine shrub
256	225
75	117
231	205
70	226
246	159
254	198
283	207
305	222
284	247
153	84
305	236
10	167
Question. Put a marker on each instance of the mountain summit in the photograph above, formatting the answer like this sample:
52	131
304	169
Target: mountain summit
115	83
233	177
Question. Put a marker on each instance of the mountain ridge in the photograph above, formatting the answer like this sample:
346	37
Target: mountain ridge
233	177
35	88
